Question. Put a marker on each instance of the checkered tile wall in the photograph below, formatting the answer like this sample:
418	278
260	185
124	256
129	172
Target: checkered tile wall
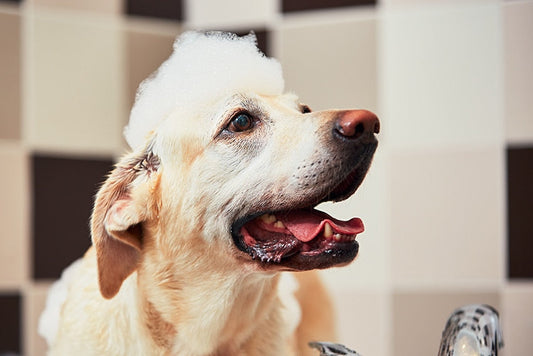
447	204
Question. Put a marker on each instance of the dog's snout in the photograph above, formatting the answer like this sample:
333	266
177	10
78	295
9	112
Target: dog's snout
354	123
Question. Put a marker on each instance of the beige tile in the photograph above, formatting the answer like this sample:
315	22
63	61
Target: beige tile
75	83
517	318
362	319
148	44
34	302
10	59
331	65
399	3
230	13
14	217
419	318
447	223
145	51
97	6
518	70
441	75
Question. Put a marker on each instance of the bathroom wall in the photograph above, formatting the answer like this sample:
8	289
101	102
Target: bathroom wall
447	204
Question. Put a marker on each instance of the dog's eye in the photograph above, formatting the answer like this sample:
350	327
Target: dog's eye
241	122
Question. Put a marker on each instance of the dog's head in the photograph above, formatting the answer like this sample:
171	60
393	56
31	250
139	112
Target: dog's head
235	185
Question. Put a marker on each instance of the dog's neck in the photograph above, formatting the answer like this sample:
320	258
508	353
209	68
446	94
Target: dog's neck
212	311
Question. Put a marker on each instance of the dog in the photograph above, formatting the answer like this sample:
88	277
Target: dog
206	239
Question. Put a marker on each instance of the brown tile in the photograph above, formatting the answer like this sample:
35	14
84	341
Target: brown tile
302	5
63	191
10	327
14	259
520	212
10	73
419	318
163	9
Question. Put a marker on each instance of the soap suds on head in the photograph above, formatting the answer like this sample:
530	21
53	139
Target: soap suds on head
203	67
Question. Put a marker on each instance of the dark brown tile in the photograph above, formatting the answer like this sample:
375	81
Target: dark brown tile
11	324
303	5
520	212
163	9
10	62
63	191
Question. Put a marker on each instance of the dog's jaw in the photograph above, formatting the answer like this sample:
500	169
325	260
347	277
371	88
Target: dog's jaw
330	242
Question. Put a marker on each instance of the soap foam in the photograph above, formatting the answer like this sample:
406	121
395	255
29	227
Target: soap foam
202	68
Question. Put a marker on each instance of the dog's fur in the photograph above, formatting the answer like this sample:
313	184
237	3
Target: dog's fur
165	277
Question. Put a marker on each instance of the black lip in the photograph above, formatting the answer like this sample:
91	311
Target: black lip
355	176
337	254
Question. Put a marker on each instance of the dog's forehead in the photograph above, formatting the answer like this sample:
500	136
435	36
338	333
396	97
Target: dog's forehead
258	103
202	125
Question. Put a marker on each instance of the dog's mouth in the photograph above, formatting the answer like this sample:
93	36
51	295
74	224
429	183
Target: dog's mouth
303	233
302	237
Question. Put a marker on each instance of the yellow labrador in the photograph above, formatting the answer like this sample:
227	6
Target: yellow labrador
196	231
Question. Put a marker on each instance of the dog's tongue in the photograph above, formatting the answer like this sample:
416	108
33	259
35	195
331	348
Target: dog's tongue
305	225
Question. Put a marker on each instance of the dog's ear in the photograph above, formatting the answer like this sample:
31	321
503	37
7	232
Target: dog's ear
116	223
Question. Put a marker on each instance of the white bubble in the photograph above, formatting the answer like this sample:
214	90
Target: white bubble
204	67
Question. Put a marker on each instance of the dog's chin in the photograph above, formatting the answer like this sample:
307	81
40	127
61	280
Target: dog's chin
300	237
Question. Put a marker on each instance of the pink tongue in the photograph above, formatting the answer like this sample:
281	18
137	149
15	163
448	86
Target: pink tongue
305	225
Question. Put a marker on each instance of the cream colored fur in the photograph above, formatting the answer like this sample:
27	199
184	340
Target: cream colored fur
163	276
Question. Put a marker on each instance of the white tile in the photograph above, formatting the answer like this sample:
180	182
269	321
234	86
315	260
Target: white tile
518	17
441	75
14	217
447	218
97	6
517	319
331	64
230	13
74	82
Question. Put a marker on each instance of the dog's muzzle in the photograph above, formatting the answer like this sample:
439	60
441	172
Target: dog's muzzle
296	236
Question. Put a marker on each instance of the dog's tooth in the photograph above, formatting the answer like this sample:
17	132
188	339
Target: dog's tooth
268	218
337	237
279	224
328	231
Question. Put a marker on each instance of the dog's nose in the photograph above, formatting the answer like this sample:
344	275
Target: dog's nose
354	123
